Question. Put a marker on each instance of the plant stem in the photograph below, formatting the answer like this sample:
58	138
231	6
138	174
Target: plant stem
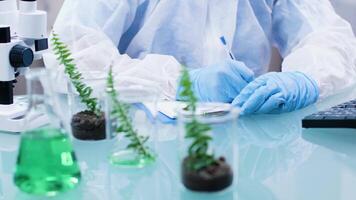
64	56
120	112
198	150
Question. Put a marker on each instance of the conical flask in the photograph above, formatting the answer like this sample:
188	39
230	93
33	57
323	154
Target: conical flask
46	163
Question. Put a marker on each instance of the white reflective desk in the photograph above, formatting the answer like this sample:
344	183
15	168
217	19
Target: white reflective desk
277	160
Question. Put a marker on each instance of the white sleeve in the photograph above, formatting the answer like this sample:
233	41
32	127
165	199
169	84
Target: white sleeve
317	42
93	31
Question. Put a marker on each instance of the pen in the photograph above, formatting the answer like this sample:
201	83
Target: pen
227	49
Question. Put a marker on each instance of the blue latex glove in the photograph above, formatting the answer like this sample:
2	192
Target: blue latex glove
221	82
277	93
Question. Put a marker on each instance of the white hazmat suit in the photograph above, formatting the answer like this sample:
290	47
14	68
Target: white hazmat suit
148	40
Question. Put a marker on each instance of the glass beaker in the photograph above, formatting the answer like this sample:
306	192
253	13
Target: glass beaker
85	124
133	119
46	163
208	147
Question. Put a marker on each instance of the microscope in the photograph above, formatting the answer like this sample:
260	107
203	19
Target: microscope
23	39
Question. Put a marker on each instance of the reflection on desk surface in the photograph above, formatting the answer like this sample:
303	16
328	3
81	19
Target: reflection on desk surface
278	160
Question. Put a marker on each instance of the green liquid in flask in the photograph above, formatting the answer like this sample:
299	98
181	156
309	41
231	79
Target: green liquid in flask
46	164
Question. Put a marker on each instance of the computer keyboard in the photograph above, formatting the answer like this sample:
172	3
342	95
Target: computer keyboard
340	116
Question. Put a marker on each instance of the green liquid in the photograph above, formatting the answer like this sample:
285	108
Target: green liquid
46	164
130	159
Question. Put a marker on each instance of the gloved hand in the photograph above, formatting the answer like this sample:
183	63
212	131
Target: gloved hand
277	92
221	82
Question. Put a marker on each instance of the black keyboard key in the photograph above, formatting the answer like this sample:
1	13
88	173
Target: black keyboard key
335	117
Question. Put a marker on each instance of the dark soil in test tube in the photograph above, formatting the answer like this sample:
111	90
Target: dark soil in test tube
213	178
87	125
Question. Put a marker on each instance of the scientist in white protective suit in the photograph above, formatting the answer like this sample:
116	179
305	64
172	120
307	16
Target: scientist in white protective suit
148	40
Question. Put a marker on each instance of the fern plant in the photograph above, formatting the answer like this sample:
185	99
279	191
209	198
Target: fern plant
198	150
124	124
64	56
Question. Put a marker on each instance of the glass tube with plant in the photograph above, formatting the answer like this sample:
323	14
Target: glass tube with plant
201	170
127	118
88	124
